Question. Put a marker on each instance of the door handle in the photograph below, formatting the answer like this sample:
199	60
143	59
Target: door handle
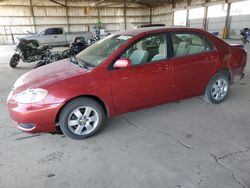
164	67
55	36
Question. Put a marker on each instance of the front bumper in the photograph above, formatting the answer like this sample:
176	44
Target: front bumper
34	118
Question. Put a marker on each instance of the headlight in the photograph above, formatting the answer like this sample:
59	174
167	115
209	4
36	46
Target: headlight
30	95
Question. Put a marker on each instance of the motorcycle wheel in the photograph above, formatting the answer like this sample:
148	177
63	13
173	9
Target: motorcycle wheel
39	64
243	39
65	54
14	60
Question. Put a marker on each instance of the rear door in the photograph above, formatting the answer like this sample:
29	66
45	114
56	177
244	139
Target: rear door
193	59
146	82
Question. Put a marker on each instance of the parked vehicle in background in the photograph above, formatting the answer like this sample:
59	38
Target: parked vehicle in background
78	45
56	36
54	57
95	39
126	71
28	52
75	47
245	33
150	25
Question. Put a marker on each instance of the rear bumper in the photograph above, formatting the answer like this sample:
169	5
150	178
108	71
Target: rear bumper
238	77
237	74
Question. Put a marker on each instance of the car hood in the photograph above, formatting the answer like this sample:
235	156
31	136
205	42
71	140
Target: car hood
44	76
29	37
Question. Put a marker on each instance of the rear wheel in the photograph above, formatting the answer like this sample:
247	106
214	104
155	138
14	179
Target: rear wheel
14	60
217	89
81	118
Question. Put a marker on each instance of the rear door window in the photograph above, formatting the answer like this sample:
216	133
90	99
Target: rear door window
189	43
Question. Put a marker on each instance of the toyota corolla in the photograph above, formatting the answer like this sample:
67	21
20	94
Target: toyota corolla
126	71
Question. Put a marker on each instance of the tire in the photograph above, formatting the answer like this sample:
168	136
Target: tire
39	64
14	60
65	54
244	40
85	115
217	89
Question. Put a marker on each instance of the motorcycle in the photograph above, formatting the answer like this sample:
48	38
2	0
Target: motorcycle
76	46
93	40
245	33
29	52
52	58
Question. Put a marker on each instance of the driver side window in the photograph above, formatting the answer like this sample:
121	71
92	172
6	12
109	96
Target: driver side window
146	50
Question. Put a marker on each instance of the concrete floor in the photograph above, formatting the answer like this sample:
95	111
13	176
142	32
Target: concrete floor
187	144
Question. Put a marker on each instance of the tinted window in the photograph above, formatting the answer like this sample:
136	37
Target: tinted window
54	31
148	49
189	43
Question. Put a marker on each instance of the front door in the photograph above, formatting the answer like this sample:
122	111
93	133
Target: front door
148	81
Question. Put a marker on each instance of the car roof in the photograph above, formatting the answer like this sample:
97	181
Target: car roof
149	30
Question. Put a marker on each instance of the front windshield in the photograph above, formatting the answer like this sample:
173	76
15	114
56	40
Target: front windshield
96	53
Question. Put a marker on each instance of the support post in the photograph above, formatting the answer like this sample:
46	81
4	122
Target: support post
151	14
32	14
205	20
125	15
227	23
67	14
187	17
173	6
98	12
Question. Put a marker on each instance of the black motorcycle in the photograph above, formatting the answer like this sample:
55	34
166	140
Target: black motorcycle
245	33
29	52
51	59
78	45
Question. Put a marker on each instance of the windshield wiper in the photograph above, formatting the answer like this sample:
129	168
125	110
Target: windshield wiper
77	62
86	63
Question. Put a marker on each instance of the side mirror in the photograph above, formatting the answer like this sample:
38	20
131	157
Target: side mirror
123	63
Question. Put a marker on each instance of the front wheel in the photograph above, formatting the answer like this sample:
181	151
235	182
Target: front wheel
244	40
14	60
217	89
40	63
81	118
66	54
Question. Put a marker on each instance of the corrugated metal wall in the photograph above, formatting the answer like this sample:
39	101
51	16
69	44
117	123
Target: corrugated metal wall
237	23
19	16
196	23
216	24
162	15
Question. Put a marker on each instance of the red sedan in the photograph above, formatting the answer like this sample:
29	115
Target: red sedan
126	71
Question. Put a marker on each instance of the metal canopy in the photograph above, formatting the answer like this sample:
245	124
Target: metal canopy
148	3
